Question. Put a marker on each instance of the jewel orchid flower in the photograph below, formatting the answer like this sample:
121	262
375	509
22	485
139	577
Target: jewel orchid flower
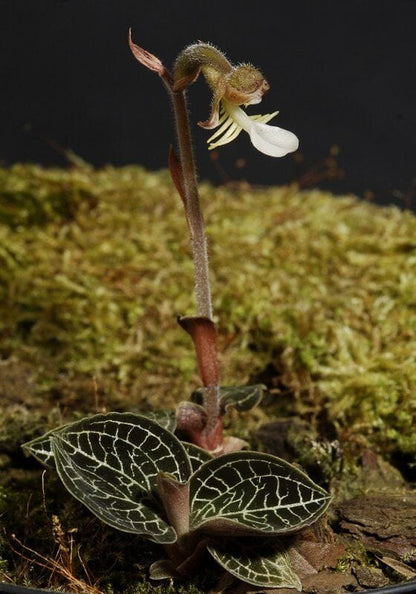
270	140
232	86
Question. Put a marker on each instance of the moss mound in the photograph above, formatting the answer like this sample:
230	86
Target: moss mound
95	266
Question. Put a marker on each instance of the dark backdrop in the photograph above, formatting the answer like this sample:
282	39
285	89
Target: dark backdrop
341	73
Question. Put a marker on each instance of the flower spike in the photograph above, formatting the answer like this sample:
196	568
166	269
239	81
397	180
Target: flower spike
232	86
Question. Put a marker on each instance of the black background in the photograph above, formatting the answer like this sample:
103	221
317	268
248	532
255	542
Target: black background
341	73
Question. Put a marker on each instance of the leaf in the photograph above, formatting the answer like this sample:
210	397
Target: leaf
191	418
196	455
240	397
162	570
111	462
41	447
265	564
247	493
119	508
164	418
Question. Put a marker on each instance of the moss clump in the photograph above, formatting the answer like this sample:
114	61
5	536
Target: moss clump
321	288
32	196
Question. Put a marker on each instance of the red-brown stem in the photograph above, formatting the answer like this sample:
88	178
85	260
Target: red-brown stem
200	254
186	183
194	213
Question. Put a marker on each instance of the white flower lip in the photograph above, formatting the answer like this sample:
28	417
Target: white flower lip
273	141
270	140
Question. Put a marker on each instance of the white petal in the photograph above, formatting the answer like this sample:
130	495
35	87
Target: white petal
229	136
263	118
273	141
228	122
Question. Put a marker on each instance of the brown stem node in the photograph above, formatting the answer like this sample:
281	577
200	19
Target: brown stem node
204	335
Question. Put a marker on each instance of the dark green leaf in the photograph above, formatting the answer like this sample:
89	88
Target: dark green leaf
196	455
111	462
248	492
123	509
41	447
162	570
264	564
240	397
164	418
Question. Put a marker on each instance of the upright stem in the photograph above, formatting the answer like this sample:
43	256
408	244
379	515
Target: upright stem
195	217
199	248
184	177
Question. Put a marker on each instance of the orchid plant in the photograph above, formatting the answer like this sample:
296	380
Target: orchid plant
173	477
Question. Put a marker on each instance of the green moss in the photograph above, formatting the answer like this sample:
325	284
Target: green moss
322	288
32	196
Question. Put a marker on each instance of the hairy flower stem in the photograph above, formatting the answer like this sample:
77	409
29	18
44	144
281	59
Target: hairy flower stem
192	205
184	176
198	238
